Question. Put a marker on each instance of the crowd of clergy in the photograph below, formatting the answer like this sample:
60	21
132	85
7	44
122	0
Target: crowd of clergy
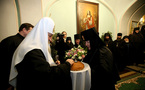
30	55
126	50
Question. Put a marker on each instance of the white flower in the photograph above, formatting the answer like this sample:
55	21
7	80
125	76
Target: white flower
83	51
79	46
72	49
79	51
80	57
73	57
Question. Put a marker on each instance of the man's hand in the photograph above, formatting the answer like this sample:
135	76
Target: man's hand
70	61
57	62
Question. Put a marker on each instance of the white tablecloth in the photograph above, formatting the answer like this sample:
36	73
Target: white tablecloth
81	80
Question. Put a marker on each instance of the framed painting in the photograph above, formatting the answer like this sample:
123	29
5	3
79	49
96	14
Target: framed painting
132	26
87	15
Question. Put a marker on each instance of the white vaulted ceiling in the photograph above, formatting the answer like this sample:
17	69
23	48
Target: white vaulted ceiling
125	11
119	6
134	13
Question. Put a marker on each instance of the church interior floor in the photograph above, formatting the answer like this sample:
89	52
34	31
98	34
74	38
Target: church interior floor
132	78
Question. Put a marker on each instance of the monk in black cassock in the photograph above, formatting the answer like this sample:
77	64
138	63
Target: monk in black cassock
115	47
104	74
107	39
61	47
127	51
143	33
32	65
78	41
69	43
137	41
7	48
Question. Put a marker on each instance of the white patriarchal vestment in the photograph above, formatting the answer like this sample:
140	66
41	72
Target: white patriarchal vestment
36	39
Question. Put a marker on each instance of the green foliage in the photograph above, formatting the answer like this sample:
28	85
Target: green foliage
54	38
53	51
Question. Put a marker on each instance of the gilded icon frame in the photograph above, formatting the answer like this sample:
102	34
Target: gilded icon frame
85	10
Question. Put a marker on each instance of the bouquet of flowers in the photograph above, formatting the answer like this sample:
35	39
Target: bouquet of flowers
76	53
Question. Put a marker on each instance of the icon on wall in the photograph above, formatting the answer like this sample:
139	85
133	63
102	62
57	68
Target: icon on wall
87	15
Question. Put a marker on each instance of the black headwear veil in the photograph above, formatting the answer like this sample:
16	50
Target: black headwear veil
137	28
93	37
143	30
107	34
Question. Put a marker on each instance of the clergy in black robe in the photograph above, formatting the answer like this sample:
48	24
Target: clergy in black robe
137	41
115	47
103	70
61	47
78	41
69	43
35	73
33	67
107	39
143	33
7	48
127	51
